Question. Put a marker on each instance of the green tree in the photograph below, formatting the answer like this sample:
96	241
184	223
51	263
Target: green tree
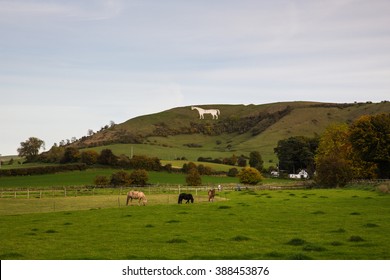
370	139
250	176
297	153
256	161
30	148
139	177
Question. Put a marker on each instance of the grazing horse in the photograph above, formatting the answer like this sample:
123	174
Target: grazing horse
211	194
185	196
136	195
213	112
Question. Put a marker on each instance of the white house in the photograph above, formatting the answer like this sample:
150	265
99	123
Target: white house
301	175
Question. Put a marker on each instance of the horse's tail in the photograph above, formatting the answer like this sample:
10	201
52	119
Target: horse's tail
218	112
179	199
192	199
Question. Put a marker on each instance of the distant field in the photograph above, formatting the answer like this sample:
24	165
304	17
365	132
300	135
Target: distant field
81	178
290	224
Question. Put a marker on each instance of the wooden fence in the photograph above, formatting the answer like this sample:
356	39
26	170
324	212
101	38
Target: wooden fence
74	191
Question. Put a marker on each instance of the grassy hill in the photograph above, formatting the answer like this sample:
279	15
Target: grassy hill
240	129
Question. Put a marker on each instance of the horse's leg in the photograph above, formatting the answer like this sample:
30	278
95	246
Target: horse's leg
127	200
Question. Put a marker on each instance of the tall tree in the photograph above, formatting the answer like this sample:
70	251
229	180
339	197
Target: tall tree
296	153
30	148
256	161
334	168
370	139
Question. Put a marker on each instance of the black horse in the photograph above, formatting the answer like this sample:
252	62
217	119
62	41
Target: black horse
187	197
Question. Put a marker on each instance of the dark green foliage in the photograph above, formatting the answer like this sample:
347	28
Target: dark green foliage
107	157
296	153
71	154
256	161
233	172
370	138
40	170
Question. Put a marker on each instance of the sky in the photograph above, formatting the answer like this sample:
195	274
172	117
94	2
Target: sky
70	66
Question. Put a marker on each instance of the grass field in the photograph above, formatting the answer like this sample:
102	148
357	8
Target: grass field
288	224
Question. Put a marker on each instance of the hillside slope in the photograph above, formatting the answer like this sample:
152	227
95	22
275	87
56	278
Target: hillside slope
239	129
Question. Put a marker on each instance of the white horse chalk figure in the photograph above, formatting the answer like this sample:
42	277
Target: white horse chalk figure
213	112
136	195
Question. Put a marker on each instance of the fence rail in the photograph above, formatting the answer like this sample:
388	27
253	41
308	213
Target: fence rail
74	191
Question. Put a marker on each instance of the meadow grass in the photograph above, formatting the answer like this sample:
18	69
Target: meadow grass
289	224
86	177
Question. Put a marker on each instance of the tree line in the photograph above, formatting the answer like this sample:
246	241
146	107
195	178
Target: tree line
341	154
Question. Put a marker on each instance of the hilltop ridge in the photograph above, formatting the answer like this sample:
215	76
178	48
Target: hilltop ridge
239	128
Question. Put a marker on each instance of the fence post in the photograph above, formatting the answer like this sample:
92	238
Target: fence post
28	193
64	191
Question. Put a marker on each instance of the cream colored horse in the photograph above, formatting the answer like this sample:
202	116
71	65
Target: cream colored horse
136	195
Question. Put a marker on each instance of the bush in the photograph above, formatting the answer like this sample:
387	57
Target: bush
250	176
233	172
121	178
333	172
101	180
193	178
139	177
89	157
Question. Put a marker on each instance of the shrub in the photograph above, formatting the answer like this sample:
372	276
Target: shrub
101	180
250	176
193	178
139	177
120	178
233	172
71	154
89	157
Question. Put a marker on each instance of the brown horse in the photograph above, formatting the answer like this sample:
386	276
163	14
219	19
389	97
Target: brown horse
136	195
211	194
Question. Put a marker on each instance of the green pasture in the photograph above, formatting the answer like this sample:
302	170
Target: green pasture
262	224
86	177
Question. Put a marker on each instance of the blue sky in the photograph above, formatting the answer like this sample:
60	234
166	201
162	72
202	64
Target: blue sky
70	66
